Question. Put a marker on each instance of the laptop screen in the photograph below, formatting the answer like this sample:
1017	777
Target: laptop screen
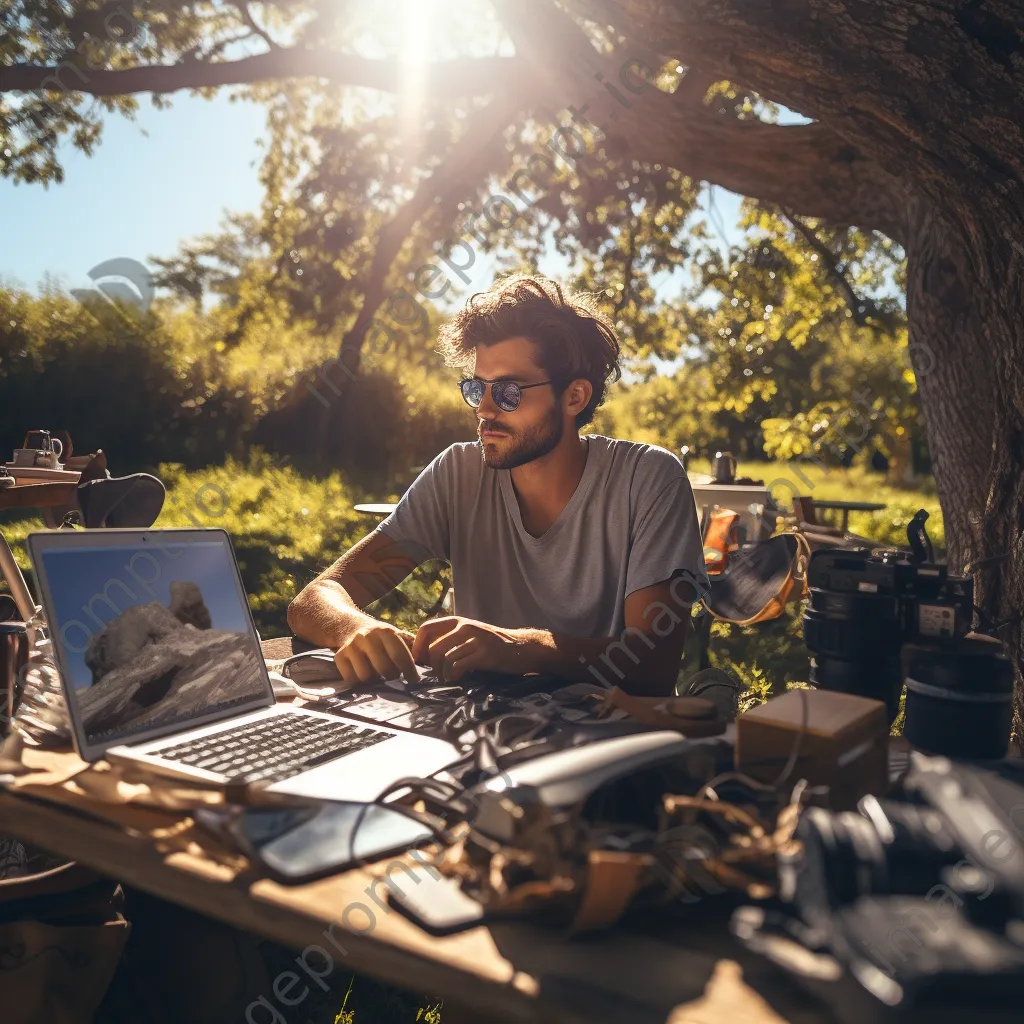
153	632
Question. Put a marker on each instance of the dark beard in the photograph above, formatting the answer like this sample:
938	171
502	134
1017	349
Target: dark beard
533	444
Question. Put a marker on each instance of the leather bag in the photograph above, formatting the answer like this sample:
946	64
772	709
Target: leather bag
761	581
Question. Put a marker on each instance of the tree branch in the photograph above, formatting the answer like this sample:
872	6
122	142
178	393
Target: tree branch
243	9
864	69
450	78
203	50
463	168
540	31
806	167
863	309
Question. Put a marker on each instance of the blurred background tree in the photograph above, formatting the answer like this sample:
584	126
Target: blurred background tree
378	157
757	348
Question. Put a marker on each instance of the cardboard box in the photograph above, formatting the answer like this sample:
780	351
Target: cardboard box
844	744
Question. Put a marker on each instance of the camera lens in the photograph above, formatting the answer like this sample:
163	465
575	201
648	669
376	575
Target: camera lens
842	858
850	626
960	700
855	638
888	847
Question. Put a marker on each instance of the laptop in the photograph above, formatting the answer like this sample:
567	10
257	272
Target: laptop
161	667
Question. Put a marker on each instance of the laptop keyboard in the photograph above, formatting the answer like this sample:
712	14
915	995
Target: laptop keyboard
274	748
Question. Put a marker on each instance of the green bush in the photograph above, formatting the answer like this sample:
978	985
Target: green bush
113	378
166	387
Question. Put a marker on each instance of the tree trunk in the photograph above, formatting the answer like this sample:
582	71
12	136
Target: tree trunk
930	96
964	305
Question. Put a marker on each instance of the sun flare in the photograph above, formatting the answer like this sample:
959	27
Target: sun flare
417	25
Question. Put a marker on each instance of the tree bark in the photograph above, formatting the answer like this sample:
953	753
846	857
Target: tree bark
964	308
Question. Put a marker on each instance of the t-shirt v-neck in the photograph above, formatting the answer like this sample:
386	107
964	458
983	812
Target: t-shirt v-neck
567	513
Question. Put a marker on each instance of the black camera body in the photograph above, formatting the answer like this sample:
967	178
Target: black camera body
911	602
944	815
919	897
865	605
878	618
918	601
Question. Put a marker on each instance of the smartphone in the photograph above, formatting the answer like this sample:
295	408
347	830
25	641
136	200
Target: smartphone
299	844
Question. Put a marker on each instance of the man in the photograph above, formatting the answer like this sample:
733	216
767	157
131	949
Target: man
578	556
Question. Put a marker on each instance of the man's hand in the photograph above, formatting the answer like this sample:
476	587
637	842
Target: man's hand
453	646
377	650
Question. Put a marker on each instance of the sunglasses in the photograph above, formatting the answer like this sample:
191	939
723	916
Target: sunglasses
506	394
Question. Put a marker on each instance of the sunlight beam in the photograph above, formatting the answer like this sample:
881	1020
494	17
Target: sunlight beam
417	24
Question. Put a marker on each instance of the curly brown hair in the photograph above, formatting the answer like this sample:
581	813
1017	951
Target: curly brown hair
576	341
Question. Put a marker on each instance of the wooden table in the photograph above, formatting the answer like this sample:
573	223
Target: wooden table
37	495
678	968
686	973
846	507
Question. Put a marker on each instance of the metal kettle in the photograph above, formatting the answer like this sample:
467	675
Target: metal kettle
725	467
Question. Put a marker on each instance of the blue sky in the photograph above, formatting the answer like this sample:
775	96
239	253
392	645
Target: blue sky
151	184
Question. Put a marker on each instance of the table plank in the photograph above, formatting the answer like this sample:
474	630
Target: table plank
849	506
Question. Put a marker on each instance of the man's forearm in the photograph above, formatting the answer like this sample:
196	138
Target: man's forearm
324	614
632	661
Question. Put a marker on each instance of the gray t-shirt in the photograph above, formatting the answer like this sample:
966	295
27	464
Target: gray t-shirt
631	522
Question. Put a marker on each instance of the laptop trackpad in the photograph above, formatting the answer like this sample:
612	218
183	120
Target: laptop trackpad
365	774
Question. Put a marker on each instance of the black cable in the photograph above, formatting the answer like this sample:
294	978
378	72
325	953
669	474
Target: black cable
440	793
440	832
417	785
